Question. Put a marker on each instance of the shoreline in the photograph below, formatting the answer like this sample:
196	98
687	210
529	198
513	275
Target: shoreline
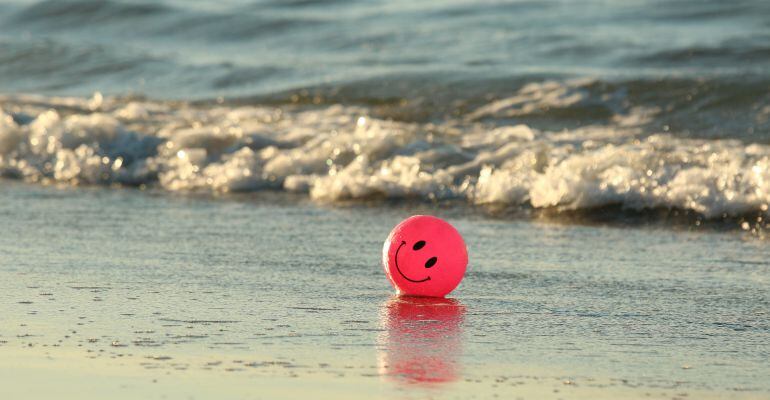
613	216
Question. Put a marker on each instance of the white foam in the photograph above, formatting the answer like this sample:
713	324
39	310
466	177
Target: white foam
10	134
337	153
537	96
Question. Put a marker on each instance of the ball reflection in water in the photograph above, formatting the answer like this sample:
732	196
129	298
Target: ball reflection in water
421	342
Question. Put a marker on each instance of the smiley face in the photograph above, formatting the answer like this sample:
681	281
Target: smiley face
424	256
428	264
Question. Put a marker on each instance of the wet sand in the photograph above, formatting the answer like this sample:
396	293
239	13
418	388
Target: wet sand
124	294
71	376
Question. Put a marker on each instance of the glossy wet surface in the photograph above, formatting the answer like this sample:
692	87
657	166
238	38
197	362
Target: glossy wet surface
255	296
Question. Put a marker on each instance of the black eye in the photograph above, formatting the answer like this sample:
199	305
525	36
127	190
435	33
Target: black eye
431	262
418	245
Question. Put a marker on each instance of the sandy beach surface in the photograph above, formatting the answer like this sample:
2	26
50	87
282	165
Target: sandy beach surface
126	294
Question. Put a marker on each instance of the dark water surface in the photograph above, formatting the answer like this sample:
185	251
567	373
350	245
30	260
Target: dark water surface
703	63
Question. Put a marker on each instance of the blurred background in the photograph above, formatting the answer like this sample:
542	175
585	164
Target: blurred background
701	64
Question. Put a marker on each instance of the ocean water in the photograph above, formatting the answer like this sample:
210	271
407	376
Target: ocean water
626	107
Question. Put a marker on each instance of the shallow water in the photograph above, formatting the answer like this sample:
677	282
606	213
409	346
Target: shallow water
134	282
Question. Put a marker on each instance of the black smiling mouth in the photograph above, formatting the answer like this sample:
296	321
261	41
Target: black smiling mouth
399	269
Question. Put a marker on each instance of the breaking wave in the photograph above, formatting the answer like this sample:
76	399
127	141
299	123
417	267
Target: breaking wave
337	153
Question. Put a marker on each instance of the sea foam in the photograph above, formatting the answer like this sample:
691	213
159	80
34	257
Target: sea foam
336	153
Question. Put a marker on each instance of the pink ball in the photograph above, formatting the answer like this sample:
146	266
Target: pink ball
424	256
